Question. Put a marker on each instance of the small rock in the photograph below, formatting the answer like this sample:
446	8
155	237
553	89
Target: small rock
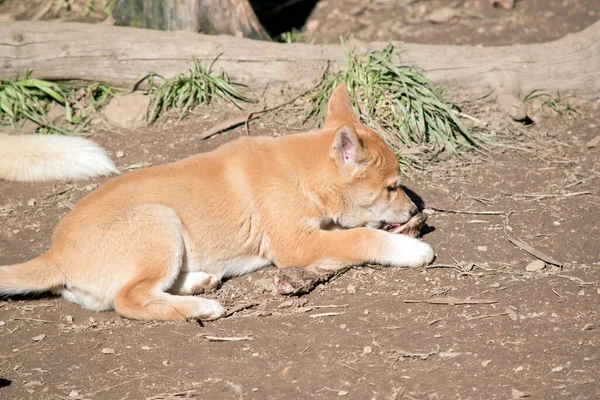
312	26
145	347
519	368
517	394
441	15
557	369
108	350
495	285
74	393
39	338
31	202
120	154
511	314
351	289
594	142
33	383
342	392
2	323
255	389
482	248
166	363
127	111
536	265
367	350
588	327
69	319
485	363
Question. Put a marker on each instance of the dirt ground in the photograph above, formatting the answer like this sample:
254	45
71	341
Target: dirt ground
377	336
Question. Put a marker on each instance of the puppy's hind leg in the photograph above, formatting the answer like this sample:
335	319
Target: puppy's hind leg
158	260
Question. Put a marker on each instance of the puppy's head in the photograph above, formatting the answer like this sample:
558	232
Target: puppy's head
368	174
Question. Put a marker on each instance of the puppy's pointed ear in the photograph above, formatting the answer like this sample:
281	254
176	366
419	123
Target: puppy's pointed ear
348	148
339	108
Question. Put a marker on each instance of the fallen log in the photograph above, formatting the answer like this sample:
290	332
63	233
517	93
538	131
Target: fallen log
118	56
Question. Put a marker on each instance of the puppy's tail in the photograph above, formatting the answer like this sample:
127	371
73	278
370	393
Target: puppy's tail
37	275
30	158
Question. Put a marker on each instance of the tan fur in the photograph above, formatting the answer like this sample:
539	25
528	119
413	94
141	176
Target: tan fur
143	242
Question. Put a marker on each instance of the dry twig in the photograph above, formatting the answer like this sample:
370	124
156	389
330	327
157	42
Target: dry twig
534	252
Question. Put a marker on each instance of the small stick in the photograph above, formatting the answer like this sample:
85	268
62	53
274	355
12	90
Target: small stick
136	166
452	301
326	314
442	210
228	339
227	125
329	306
536	253
239	308
235	122
32	319
487	316
350	368
576	279
541	195
467	116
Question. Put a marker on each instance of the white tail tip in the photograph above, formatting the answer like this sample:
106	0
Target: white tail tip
34	158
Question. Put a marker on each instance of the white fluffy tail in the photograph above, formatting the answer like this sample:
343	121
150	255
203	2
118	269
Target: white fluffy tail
31	158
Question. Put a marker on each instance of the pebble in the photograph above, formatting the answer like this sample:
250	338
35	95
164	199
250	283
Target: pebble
485	363
367	350
39	338
69	319
482	248
31	202
108	350
557	369
351	289
517	394
536	265
120	154
74	393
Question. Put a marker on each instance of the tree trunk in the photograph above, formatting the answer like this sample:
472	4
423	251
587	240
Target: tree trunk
118	56
233	17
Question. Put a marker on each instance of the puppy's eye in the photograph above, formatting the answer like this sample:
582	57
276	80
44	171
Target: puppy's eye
392	188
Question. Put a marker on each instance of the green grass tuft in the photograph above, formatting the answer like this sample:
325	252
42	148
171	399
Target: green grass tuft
546	101
293	36
398	102
32	99
184	92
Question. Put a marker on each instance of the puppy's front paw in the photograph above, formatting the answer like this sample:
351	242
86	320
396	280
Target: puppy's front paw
409	252
423	255
209	310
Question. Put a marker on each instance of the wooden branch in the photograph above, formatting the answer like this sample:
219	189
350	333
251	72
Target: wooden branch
119	55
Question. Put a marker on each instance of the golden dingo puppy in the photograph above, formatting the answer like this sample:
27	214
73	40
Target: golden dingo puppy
146	242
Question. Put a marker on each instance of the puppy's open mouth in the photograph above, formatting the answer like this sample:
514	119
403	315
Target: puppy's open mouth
411	227
393	227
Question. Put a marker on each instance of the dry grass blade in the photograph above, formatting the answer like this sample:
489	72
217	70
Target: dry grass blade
401	104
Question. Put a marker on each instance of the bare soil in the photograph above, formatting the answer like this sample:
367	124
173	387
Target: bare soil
377	337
